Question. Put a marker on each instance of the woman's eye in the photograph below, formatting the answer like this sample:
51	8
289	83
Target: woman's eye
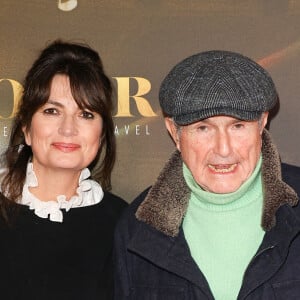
50	111
87	115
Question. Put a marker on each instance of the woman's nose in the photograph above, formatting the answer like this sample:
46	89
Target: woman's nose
68	126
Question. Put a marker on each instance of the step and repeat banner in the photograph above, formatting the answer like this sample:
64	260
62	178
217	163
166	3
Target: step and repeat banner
139	41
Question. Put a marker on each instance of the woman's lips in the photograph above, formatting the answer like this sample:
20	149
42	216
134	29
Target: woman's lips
66	147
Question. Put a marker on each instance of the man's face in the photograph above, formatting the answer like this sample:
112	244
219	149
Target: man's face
221	152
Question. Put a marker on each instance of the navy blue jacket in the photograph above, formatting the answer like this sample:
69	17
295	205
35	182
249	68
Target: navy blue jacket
152	258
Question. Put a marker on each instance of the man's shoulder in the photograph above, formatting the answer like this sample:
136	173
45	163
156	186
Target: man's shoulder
291	175
139	199
288	168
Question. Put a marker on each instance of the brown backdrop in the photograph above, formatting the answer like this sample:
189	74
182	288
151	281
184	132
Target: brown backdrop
139	41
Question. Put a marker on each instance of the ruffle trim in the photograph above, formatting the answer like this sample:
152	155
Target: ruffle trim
89	192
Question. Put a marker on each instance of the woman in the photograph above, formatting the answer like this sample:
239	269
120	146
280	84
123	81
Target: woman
57	223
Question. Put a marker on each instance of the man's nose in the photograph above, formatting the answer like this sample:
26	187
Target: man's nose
223	144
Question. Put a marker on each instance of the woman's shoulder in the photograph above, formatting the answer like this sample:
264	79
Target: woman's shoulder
113	204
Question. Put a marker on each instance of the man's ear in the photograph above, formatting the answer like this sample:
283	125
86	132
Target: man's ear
264	121
173	131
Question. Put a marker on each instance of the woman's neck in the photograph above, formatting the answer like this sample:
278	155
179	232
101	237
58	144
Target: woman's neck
52	183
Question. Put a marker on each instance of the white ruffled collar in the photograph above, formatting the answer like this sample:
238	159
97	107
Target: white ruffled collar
89	192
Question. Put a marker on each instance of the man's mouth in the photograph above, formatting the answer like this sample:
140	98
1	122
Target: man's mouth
224	168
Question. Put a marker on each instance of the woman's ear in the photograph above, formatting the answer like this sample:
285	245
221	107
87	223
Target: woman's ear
26	136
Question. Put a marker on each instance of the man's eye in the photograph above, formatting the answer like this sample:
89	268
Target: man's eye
87	115
202	128
238	125
50	111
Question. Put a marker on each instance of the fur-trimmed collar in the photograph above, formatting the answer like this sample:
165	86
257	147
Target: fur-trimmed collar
166	202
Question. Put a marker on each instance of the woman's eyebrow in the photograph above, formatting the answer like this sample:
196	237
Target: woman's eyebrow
56	103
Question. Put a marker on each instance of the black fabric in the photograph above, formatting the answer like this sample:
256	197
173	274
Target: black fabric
152	265
41	259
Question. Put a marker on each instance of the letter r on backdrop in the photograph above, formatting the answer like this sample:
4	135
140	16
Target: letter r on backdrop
123	89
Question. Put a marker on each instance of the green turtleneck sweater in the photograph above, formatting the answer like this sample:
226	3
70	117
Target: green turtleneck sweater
223	232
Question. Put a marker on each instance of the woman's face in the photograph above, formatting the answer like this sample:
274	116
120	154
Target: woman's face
61	135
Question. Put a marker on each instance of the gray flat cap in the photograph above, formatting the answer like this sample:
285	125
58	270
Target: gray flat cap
217	83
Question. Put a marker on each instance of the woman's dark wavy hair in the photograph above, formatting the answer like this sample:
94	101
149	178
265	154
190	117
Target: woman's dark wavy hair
91	89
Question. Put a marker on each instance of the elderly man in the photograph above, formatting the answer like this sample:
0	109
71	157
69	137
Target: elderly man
219	222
